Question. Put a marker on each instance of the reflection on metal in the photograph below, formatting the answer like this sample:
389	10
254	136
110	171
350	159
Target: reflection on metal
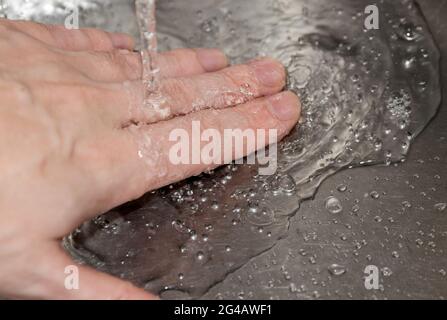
366	94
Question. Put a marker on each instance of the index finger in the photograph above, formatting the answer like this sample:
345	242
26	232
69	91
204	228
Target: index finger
144	161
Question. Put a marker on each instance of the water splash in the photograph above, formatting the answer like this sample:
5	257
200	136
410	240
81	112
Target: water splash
366	95
145	13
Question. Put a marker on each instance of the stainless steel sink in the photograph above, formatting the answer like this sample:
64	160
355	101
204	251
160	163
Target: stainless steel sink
393	216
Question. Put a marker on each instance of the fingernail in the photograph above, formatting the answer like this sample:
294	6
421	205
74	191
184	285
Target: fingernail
269	72
285	106
211	59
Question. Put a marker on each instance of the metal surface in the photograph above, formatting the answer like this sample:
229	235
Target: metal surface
402	232
392	218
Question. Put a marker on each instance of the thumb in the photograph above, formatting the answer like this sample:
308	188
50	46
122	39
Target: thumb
56	276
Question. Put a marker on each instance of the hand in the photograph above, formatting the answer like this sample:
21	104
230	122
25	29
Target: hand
76	139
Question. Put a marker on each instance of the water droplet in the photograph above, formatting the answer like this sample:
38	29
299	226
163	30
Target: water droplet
333	205
406	204
180	226
287	184
386	271
193	235
260	217
200	256
409	32
336	270
374	195
293	288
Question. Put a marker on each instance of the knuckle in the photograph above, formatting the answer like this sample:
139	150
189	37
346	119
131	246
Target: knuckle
236	75
244	86
110	57
179	89
242	77
258	115
181	60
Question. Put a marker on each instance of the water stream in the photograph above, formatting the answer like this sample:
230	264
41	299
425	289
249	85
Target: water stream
366	95
145	12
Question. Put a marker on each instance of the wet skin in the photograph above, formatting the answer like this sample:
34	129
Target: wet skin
74	130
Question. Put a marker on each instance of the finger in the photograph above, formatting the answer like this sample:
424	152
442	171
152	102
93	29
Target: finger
123	65
72	39
189	62
141	157
229	87
49	273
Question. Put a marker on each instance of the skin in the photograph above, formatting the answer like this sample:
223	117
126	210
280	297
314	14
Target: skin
74	131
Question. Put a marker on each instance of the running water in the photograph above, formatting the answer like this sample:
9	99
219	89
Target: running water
145	12
155	103
366	95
